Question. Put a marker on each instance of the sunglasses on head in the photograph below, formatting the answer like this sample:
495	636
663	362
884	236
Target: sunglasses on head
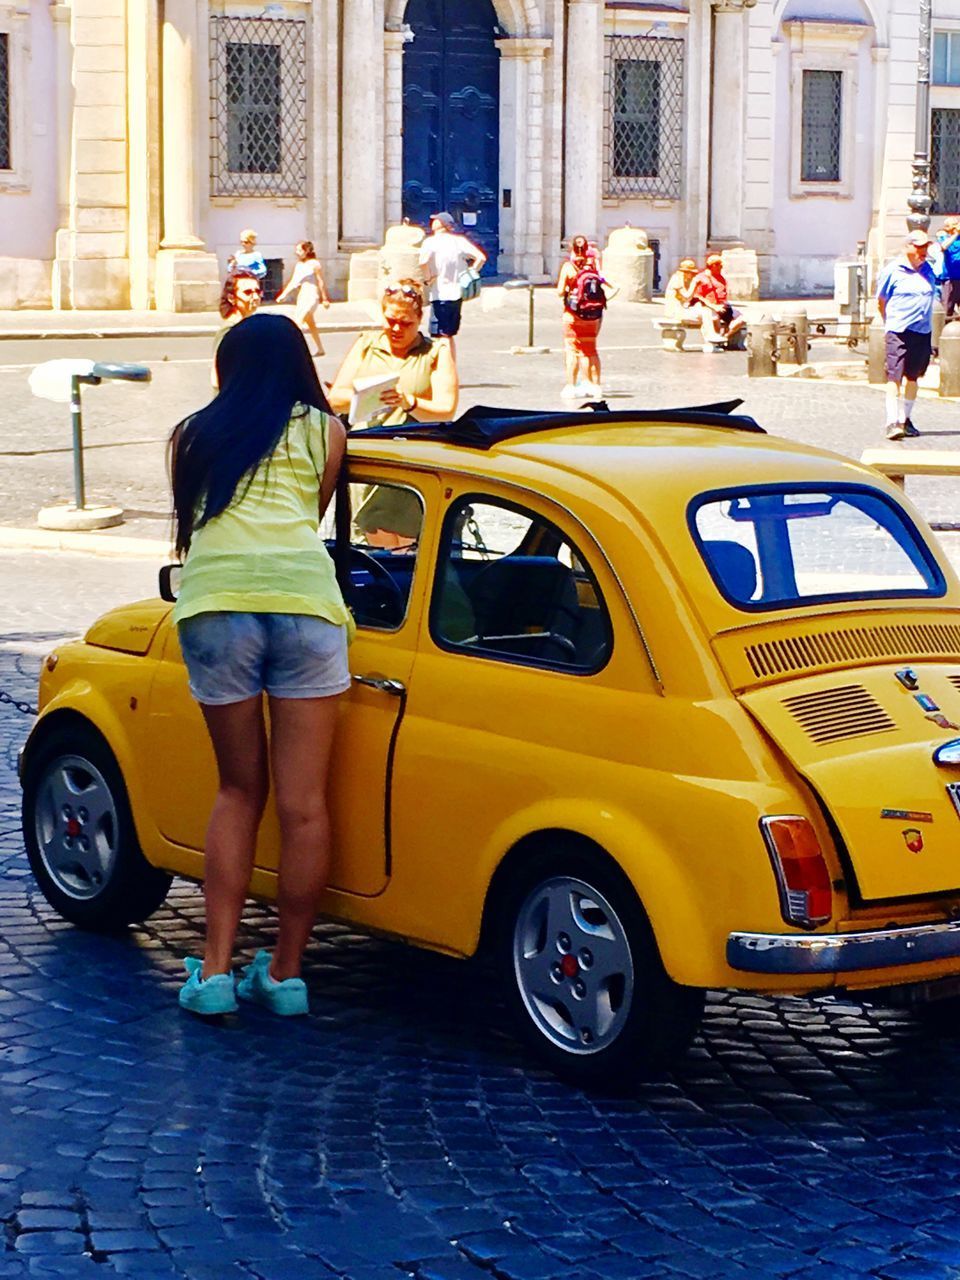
406	290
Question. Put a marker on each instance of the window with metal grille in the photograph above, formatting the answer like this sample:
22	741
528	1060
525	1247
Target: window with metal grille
643	116
821	128
5	162
945	160
946	57
258	107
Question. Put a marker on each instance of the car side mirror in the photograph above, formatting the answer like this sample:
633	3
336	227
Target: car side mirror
170	582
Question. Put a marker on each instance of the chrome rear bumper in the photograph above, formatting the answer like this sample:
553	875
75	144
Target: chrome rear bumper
842	952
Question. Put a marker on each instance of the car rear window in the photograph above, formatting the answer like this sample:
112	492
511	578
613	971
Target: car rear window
770	548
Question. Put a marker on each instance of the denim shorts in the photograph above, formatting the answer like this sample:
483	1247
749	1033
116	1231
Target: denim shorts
234	656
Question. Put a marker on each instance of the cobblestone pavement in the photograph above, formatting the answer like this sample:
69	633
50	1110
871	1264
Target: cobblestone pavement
126	426
398	1131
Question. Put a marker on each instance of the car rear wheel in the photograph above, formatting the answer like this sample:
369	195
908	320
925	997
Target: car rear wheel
587	986
80	836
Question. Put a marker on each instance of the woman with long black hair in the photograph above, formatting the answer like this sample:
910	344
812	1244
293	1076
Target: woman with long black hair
260	611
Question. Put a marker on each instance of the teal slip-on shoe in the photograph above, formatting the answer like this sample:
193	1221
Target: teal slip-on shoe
287	998
207	996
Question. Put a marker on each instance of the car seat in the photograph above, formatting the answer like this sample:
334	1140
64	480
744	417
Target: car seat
734	567
527	605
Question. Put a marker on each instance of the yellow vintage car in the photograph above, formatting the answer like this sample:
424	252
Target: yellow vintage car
649	703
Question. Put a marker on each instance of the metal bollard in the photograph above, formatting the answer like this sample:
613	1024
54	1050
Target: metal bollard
797	319
530	348
876	352
762	348
950	359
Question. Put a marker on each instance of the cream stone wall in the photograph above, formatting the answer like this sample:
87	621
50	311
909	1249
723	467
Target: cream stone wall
108	202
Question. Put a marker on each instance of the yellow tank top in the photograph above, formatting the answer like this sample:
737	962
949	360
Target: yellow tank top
263	553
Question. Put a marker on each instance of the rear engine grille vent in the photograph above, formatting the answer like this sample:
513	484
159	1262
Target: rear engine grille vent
955	681
912	641
834	714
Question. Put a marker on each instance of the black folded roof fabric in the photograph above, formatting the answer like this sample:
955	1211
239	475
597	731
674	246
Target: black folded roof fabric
482	426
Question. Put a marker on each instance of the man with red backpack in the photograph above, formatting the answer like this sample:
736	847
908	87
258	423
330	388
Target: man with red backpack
584	293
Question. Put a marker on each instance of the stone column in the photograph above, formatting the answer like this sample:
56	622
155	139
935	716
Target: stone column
60	290
324	140
143	115
91	268
522	153
187	277
60	15
583	119
362	115
393	43
728	76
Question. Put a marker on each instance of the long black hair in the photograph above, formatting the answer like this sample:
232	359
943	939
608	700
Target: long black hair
264	370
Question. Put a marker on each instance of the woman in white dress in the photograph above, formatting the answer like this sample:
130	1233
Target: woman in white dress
307	278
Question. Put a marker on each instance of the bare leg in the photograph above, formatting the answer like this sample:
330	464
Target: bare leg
240	745
571	363
894	402
310	324
593	370
301	739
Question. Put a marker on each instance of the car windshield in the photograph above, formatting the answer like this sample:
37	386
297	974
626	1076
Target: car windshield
772	548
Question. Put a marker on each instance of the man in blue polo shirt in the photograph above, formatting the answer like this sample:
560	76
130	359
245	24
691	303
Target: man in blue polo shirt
905	302
949	239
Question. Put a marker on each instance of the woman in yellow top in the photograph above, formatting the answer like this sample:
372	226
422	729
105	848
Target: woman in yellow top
427	388
260	611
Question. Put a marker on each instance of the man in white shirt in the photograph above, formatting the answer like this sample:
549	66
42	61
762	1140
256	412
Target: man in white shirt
443	255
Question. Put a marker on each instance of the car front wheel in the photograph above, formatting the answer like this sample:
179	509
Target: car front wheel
586	982
80	836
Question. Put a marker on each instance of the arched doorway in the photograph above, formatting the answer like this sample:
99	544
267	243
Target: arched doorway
451	117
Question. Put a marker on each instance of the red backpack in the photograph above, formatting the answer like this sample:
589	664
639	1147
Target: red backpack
586	298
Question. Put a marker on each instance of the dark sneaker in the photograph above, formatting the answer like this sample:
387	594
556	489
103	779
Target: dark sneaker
909	429
895	431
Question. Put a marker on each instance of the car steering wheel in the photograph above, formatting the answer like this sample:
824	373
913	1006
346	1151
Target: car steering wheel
393	599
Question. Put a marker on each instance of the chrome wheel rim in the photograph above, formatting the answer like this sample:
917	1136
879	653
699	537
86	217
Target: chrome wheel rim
573	965
76	827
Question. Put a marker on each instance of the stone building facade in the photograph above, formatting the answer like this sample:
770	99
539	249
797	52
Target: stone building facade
138	136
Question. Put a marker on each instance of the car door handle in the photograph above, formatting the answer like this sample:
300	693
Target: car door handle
382	685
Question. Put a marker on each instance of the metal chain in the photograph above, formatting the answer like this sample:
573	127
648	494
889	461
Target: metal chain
23	707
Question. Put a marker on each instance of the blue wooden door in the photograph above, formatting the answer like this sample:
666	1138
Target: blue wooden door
451	117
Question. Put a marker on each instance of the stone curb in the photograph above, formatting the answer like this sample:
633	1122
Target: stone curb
102	544
163	331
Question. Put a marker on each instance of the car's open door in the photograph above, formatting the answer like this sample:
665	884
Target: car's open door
182	786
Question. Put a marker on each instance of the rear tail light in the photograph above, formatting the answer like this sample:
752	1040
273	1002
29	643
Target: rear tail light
803	879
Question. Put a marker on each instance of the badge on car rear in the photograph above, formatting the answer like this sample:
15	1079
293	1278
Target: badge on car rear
908	678
907	815
913	839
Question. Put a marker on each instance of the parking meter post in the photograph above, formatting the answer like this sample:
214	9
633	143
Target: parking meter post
76	414
529	349
80	517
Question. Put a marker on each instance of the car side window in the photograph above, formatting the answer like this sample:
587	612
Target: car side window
384	538
510	585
